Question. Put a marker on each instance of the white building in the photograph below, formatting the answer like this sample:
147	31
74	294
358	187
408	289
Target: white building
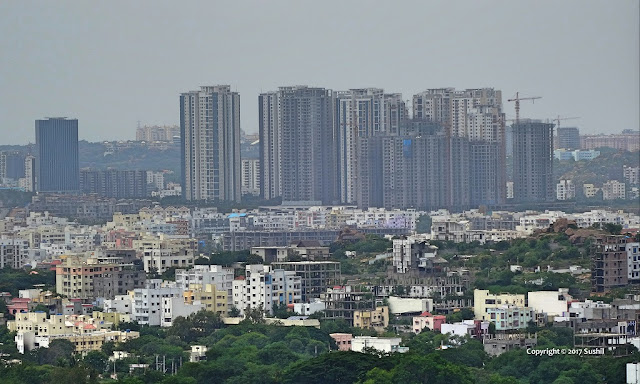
120	304
251	176
589	190
553	303
412	253
201	275
382	344
307	309
631	175
565	190
264	287
613	190
13	252
148	302
173	307
465	328
161	259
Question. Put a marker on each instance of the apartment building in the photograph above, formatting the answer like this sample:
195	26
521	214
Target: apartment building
414	254
610	262
377	319
315	276
13	252
565	190
251	176
149	304
210	134
613	190
533	161
483	301
263	287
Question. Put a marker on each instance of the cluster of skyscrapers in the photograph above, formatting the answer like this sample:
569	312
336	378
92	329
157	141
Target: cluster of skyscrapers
358	147
362	147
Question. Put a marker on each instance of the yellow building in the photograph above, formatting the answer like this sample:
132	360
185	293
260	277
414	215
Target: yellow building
35	330
214	300
483	300
114	318
377	319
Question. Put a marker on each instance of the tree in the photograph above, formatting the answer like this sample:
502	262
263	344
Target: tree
195	326
60	352
423	224
612	228
96	360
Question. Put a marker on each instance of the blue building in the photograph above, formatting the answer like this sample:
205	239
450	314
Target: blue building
57	164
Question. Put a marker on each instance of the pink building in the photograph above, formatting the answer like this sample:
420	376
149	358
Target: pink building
343	340
426	319
18	305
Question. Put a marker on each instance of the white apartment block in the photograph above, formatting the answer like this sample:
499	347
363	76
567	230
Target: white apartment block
552	303
173	307
13	253
251	176
565	190
161	259
148	302
156	180
202	275
631	175
382	344
509	189
263	287
613	190
120	304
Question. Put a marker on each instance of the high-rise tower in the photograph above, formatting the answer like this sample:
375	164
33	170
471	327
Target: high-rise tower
210	143
533	161
297	145
361	113
57	165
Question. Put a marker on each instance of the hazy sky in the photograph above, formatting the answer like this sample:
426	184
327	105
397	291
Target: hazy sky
112	63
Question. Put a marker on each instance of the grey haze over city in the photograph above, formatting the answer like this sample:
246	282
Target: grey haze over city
112	64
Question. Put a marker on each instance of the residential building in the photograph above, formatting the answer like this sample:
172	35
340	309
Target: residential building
613	190
93	276
589	190
587	155
610	262
381	344
199	276
567	138
342	302
427	320
173	307
633	262
210	134
114	183
533	161
565	190
265	287
509	317
627	140
57	165
474	114
483	301
473	328
251	176
551	303
343	340
377	319
28	183
315	276
412	254
495	345
157	133
631	175
11	165
13	252
37	330
149	303
198	353
362	113
297	145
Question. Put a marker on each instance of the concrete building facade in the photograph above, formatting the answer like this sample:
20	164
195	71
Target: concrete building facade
210	138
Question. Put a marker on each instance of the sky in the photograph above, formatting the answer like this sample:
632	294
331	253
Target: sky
111	64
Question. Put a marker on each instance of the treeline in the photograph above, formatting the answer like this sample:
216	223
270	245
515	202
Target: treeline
253	352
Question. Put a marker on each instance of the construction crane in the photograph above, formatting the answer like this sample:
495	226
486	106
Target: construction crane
517	100
558	119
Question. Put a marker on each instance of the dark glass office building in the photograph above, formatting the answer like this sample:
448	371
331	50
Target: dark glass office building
57	164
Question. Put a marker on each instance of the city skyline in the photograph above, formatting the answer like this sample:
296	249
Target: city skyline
563	52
